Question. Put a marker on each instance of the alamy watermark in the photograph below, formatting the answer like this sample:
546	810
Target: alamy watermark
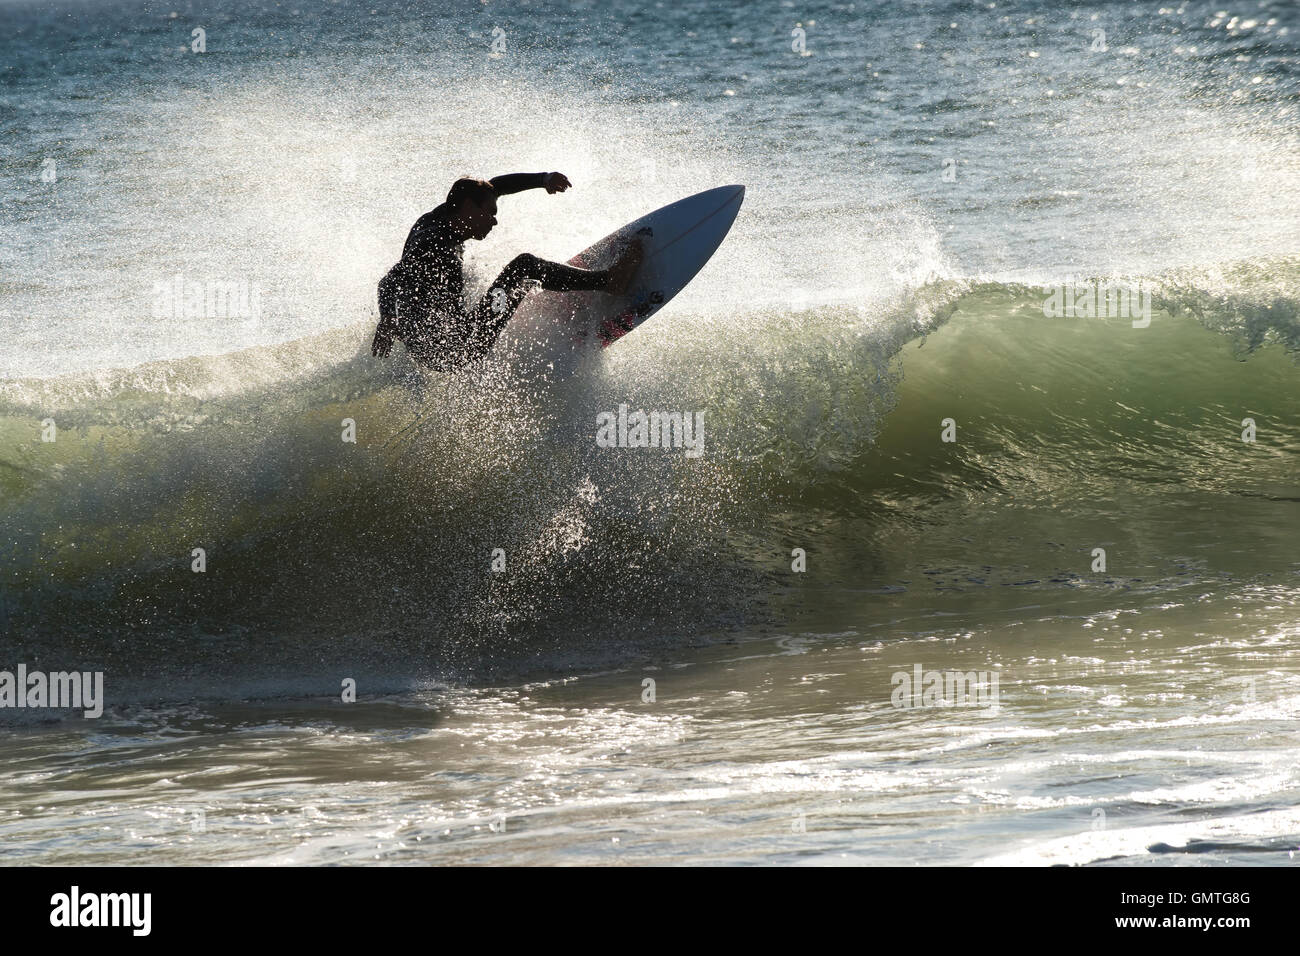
922	688
1093	299
178	298
76	909
654	430
62	689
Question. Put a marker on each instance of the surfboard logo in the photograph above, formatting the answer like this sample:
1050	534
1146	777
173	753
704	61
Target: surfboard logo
611	330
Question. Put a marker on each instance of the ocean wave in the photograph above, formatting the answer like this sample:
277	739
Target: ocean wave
818	418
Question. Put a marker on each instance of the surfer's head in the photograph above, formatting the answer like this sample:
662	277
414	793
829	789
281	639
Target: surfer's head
473	205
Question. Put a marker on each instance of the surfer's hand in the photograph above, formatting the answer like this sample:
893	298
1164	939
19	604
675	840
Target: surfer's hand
556	182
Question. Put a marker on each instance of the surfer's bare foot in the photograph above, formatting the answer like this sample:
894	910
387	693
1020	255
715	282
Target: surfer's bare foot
623	271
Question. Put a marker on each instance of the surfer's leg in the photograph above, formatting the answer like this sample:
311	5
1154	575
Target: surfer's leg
494	310
558	277
512	285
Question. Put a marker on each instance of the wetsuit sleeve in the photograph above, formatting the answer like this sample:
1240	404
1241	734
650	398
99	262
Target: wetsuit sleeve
388	328
517	182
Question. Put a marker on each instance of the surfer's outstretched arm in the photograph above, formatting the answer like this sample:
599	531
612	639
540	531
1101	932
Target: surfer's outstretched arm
518	182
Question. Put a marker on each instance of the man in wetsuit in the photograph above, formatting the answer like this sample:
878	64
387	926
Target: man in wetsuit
420	297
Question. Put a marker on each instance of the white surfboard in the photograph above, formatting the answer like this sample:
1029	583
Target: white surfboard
554	334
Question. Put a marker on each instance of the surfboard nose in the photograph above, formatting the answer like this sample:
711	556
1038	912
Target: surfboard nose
724	196
731	197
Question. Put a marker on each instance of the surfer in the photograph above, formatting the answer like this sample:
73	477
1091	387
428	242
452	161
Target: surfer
420	299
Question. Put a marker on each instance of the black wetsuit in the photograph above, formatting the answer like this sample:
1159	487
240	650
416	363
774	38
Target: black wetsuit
420	299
